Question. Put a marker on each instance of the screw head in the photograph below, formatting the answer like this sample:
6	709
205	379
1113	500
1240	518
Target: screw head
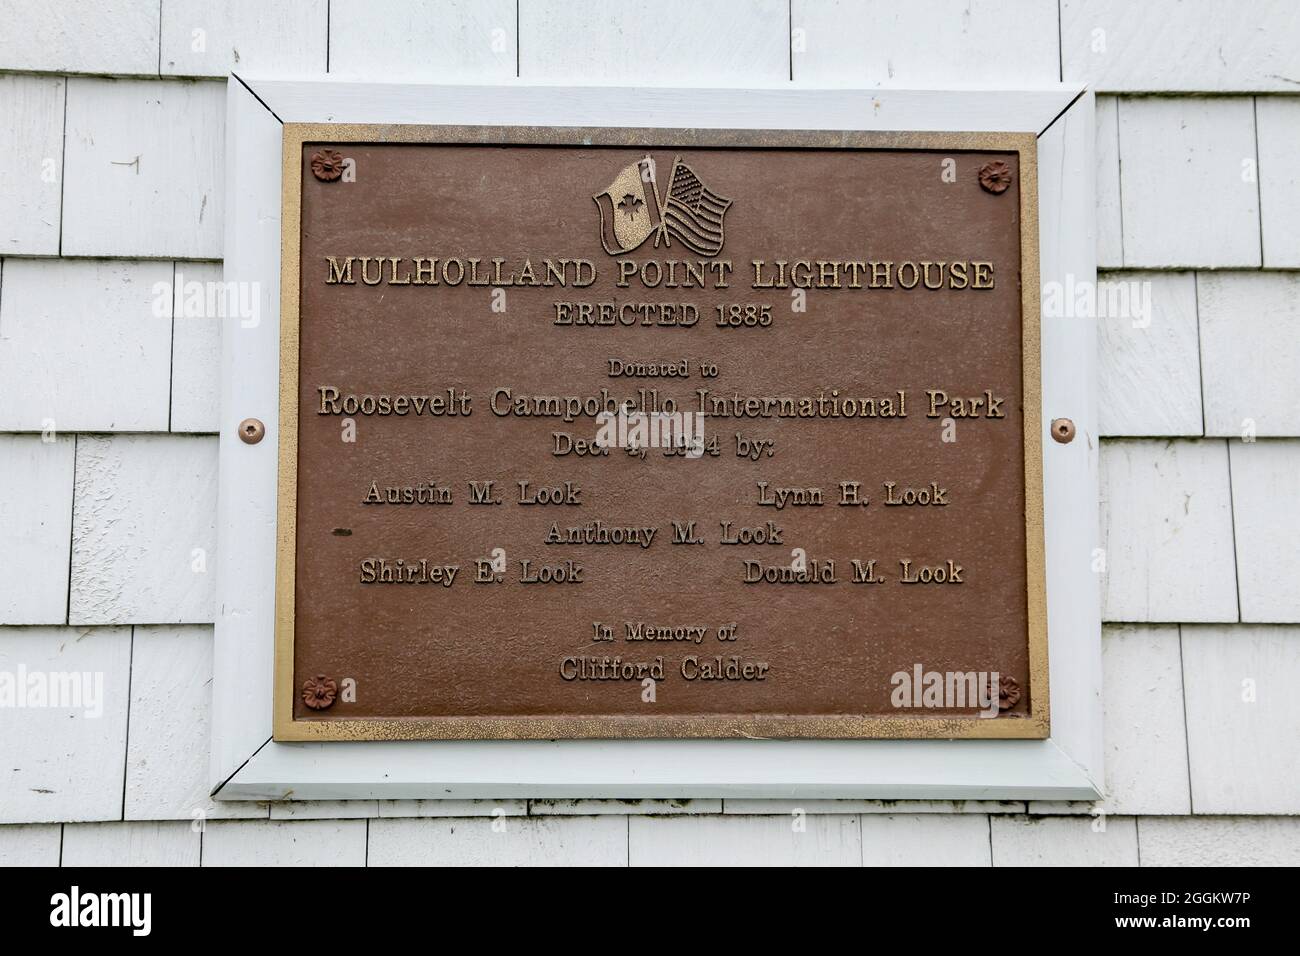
995	177
327	165
319	692
1008	693
251	431
1063	430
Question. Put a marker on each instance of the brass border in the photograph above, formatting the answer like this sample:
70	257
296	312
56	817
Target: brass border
1036	725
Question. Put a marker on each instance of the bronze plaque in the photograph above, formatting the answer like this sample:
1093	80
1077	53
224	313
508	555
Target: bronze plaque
659	433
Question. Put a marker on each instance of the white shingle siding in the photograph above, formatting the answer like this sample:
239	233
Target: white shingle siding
35	528
1149	368
1146	738
431	40
285	843
324	809
201	38
631	807
1187	178
196	345
131	844
113	37
1250	352
1110	217
85	345
143	535
792	839
1277	119
1088	840
167	754
30	844
143	168
1266	522
451	808
1198	202
64	763
896	839
1192	46
500	841
31	140
1219	841
673	43
786	807
1166	517
998	43
1243	718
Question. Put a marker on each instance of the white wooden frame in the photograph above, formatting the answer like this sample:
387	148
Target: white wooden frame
248	765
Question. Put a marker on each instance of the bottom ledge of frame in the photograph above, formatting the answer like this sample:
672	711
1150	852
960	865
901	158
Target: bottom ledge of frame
663	769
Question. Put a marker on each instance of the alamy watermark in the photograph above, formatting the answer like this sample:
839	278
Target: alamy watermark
1101	299
637	430
196	299
75	908
946	690
53	690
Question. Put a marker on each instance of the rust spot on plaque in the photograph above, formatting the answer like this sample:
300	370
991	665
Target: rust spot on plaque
750	448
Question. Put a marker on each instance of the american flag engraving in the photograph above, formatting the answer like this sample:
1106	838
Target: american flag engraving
692	212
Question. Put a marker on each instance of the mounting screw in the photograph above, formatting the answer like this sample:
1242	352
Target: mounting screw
251	431
1063	430
327	165
319	692
996	177
1008	693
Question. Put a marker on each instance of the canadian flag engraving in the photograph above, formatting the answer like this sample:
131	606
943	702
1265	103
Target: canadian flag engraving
629	208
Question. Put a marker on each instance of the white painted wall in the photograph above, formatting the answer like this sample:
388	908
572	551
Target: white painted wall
111	122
